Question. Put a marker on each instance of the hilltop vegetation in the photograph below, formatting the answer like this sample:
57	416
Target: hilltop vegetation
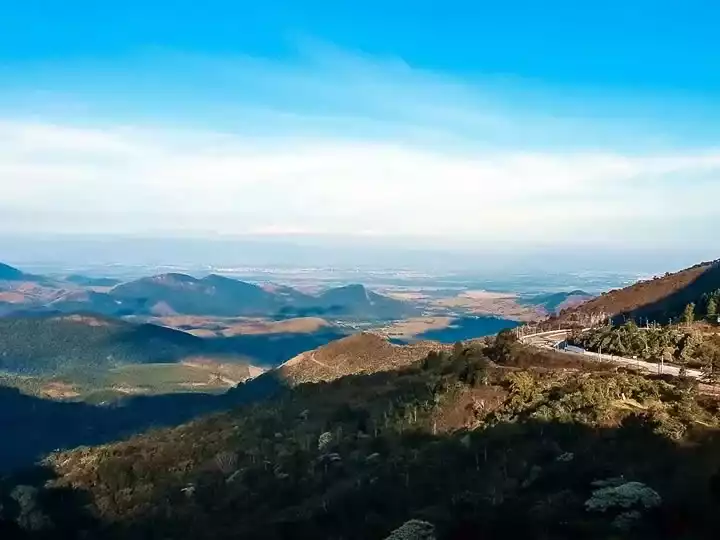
465	442
360	353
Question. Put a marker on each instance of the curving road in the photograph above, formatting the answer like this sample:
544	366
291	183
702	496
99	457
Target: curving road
552	339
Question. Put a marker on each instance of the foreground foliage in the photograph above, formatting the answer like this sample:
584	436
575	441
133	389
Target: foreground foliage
485	442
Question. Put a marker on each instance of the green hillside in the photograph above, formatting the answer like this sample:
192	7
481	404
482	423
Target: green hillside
358	302
492	441
211	295
56	344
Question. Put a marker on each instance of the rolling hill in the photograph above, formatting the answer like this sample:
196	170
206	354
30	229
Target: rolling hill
554	303
659	299
101	303
220	296
359	302
50	345
359	353
214	295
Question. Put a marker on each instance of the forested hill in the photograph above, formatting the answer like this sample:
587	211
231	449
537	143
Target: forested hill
54	344
489	441
659	299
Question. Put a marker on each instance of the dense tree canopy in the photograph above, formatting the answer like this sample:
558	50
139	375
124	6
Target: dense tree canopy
493	440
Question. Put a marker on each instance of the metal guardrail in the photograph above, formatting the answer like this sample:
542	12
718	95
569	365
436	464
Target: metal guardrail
659	367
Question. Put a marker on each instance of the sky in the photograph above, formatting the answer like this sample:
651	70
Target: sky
473	124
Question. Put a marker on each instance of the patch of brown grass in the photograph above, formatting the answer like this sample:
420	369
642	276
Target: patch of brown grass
503	305
359	353
12	297
237	326
409	328
469	405
300	325
58	390
88	320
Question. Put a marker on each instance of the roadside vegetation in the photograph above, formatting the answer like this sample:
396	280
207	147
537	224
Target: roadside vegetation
689	344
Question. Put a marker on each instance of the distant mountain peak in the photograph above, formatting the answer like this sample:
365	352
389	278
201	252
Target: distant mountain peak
355	287
212	295
357	300
10	273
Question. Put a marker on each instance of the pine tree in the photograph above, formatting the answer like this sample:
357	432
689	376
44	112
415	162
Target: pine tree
711	309
688	316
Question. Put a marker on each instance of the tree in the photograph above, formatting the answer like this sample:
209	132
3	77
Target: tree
504	346
688	316
413	530
711	309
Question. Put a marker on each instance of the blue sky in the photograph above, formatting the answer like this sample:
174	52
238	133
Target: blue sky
509	122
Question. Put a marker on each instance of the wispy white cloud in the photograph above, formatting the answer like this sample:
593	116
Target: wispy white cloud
337	144
127	180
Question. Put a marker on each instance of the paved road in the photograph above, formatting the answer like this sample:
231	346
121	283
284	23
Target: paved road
551	340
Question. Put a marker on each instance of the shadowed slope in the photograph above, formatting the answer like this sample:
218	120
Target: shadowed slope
9	273
659	299
54	344
357	301
212	295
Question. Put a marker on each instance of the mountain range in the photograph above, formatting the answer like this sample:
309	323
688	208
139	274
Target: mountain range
173	294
